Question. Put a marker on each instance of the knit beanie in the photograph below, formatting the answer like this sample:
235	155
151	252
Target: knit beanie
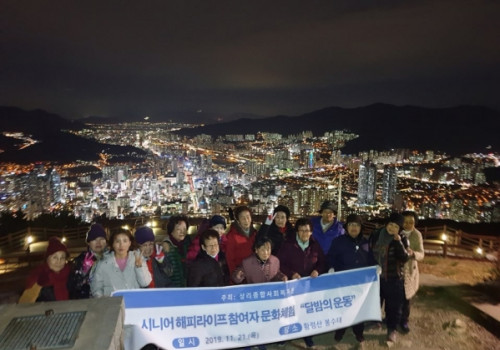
95	231
283	209
354	218
55	245
144	234
396	218
216	220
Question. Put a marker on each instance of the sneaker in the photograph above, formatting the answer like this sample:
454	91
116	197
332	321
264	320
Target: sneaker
405	328
391	336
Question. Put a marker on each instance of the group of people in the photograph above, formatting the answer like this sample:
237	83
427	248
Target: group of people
278	251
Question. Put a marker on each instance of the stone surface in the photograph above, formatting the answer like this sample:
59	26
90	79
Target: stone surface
102	327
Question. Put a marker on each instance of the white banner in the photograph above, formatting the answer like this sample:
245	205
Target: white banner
245	315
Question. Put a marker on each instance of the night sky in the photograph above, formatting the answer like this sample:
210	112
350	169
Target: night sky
164	58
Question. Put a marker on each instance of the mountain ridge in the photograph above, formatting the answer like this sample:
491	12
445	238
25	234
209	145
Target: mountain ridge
380	126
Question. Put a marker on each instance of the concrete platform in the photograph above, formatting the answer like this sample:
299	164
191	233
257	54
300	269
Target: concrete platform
102	326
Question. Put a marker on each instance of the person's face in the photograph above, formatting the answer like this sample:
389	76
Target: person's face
97	245
280	219
409	223
121	244
180	231
245	220
219	228
56	261
304	232
147	249
392	228
353	229
264	251
327	215
211	246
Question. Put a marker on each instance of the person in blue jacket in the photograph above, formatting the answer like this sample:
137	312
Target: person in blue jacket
351	251
326	227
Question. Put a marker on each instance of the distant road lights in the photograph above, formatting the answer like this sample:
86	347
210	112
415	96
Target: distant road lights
479	250
444	237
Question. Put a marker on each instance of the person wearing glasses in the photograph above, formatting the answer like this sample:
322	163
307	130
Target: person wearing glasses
302	256
209	269
351	251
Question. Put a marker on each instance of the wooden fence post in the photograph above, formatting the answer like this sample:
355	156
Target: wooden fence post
445	249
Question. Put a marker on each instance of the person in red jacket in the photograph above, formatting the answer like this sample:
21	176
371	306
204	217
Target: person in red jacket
240	238
48	282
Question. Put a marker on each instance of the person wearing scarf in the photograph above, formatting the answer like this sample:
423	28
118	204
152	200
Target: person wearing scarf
176	246
301	256
411	274
209	269
351	251
389	250
48	281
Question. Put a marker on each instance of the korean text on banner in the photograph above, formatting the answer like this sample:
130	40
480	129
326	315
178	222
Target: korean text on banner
245	315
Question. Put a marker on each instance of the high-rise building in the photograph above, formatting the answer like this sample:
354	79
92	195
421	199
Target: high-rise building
389	184
367	184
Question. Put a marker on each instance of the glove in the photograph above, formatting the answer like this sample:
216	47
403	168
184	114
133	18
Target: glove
159	255
43	279
269	219
379	269
88	261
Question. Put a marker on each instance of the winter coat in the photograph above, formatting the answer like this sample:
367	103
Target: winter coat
391	256
255	271
109	278
238	246
206	271
177	258
161	270
81	274
295	260
43	284
411	273
275	235
325	239
348	253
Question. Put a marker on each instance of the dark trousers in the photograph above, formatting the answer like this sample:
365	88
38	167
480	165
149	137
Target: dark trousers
393	293
357	329
405	316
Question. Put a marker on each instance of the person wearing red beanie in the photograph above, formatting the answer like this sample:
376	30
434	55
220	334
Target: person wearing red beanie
48	281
